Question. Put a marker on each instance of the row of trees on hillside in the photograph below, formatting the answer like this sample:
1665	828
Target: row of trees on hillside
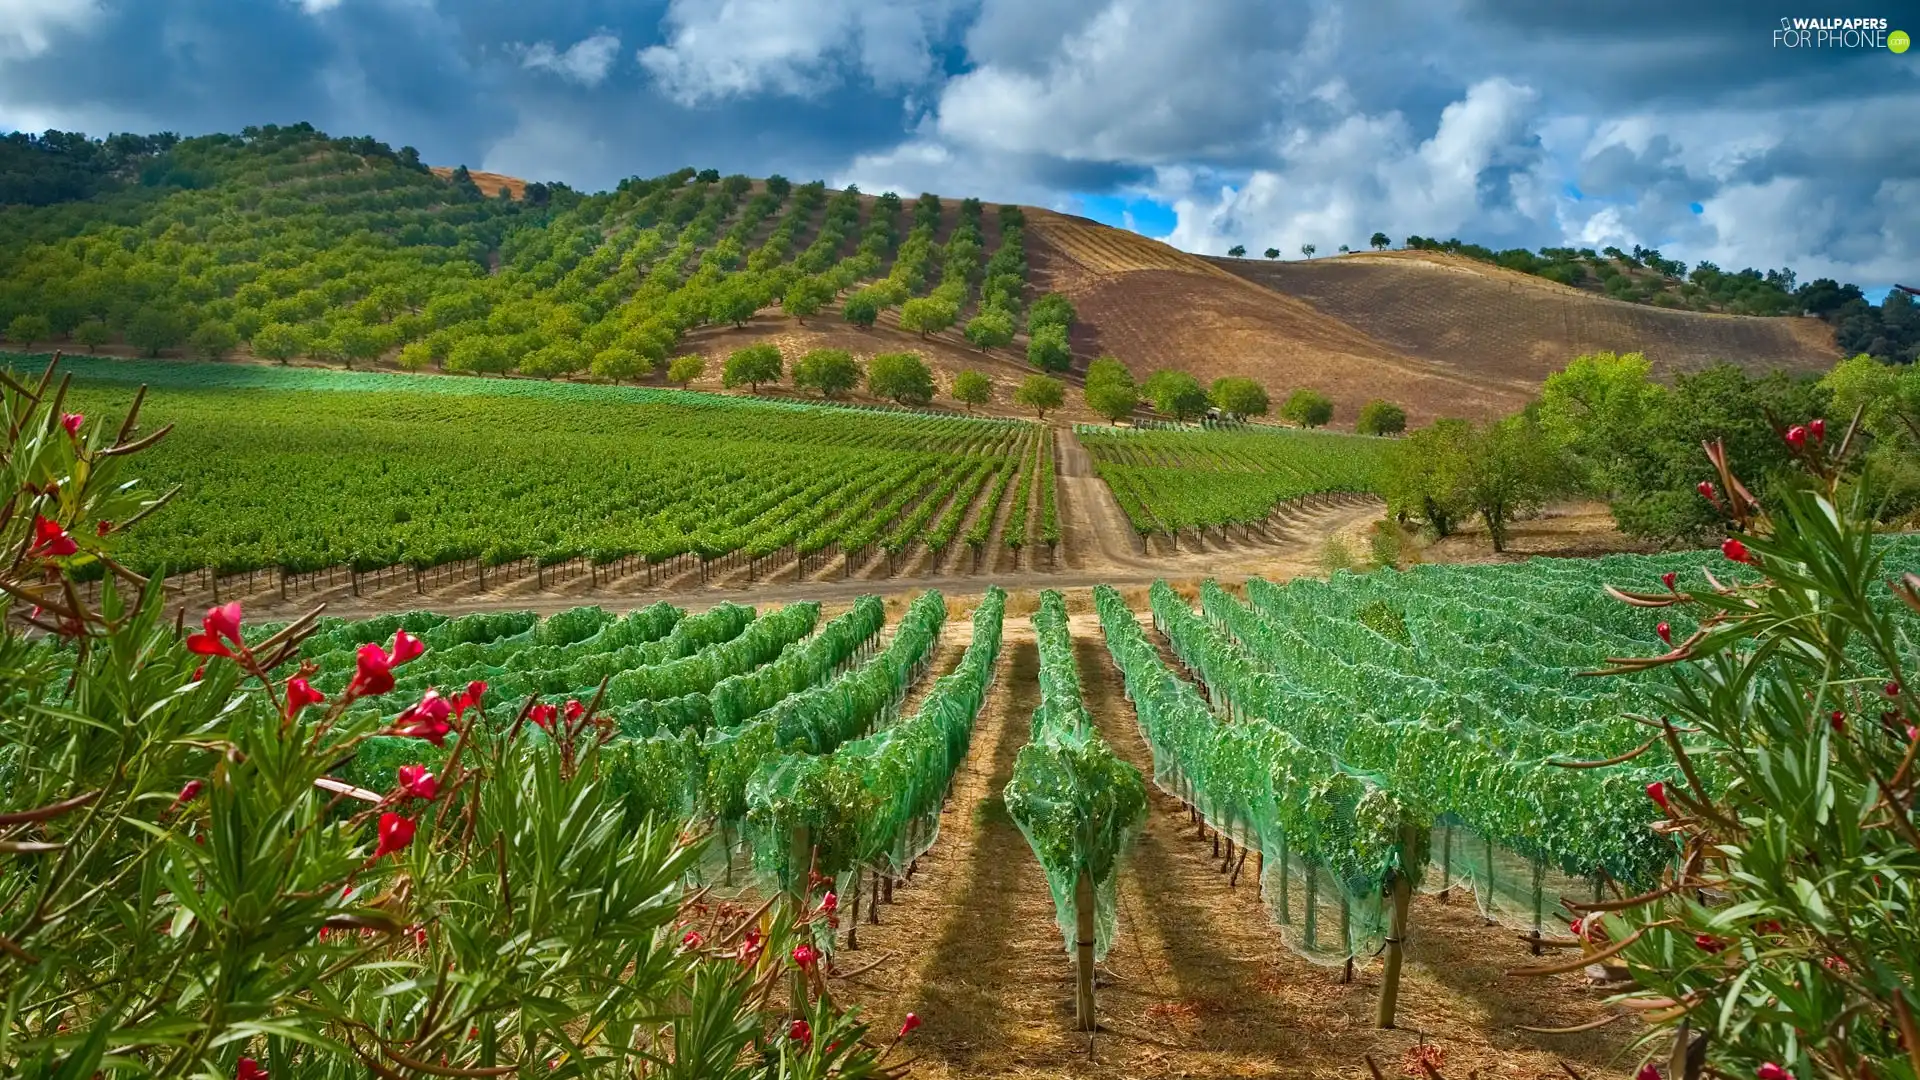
900	377
344	251
1112	392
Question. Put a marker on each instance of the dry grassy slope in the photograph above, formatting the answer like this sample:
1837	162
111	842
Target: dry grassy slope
1503	325
488	183
1154	306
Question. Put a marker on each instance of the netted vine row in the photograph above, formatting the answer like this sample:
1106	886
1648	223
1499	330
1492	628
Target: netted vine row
1076	802
1311	816
874	803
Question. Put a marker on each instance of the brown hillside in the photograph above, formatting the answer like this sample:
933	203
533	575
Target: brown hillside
1153	306
488	183
1505	325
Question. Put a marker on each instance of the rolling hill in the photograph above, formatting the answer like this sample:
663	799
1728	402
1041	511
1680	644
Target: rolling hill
286	245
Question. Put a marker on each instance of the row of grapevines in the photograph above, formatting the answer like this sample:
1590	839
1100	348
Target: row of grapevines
1076	802
1299	806
1049	515
372	476
1166	480
874	802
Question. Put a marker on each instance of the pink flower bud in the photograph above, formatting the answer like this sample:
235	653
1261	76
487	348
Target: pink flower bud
908	1025
1796	436
1665	632
1819	429
1657	791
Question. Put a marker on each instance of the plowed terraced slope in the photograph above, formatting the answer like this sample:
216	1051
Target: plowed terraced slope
1154	306
1504	325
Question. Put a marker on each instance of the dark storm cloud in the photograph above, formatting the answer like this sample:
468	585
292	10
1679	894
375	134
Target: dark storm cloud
1260	121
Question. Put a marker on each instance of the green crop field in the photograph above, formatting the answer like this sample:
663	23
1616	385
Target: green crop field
308	469
1167	480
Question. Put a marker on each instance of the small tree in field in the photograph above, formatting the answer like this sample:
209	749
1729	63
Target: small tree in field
972	388
1238	396
214	339
24	330
805	297
751	366
991	329
684	369
1176	394
861	309
1048	349
1237	251
1307	408
926	315
1380	241
833	372
278	341
901	377
1378	417
1308	250
1271	253
93	333
1110	389
1040	393
619	363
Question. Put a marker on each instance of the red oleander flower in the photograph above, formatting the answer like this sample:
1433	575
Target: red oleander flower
543	715
220	622
300	694
1707	491
468	698
829	903
103	528
427	720
395	833
801	1032
1667	579
750	948
906	1026
1665	632
693	940
1770	1071
1796	436
405	647
1657	791
73	421
1838	720
1709	943
806	956
373	672
50	539
249	1069
1735	550
1819	429
416	782
189	791
1647	1072
575	710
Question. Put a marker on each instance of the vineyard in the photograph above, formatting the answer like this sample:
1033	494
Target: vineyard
1167	481
353	472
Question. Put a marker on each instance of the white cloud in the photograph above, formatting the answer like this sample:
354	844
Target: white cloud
27	27
739	48
1339	183
317	7
1139	81
585	62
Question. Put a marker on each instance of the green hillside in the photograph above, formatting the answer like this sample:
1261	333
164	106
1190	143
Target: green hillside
342	250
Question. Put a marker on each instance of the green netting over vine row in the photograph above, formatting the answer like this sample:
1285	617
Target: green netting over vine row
874	803
657	760
814	721
1429	757
1332	840
1078	804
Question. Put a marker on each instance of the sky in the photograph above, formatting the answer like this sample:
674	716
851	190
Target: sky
1688	126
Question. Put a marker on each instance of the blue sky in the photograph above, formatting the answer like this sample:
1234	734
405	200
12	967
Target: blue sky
1206	122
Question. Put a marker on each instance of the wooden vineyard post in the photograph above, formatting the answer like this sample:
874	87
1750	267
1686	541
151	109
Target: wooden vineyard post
799	873
1083	952
1402	897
